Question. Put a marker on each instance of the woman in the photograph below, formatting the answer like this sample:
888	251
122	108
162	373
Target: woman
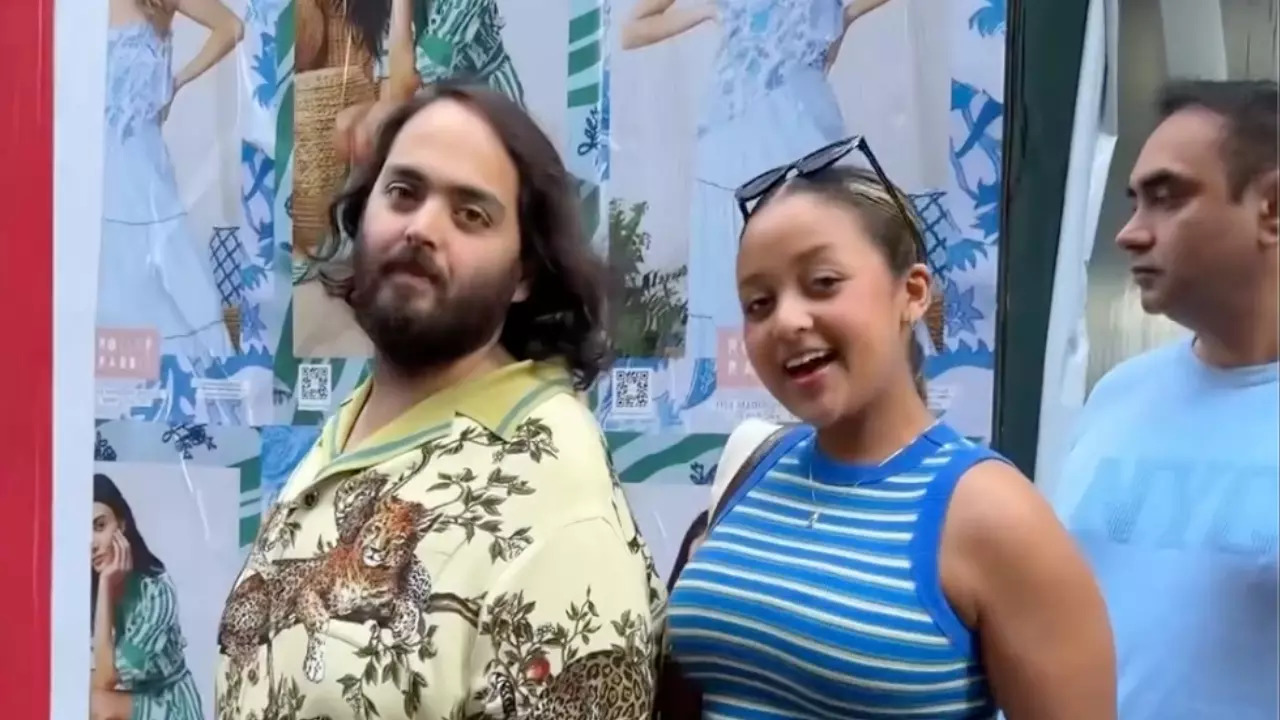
422	41
769	73
151	274
884	566
139	670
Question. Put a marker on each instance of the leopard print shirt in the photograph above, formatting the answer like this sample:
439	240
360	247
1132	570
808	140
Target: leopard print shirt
474	574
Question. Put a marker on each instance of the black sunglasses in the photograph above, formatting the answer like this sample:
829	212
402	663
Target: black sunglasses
756	190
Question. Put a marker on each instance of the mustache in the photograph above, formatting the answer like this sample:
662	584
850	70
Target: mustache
414	261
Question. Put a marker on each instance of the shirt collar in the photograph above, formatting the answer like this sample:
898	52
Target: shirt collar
499	401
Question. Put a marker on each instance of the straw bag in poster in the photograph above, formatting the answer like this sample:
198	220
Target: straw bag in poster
319	95
751	450
318	171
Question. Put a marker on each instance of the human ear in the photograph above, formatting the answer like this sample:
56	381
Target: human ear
1269	208
918	284
523	288
522	292
925	302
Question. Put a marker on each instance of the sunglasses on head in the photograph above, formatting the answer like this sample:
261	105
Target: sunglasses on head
751	194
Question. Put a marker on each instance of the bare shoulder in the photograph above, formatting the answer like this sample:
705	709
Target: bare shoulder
1015	576
995	503
1000	534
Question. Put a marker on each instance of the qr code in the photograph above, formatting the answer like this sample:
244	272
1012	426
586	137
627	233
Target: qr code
632	389
314	386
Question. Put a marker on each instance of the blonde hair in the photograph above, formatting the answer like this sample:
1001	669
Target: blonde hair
896	229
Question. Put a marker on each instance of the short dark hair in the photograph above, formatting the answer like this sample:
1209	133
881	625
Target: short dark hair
1249	109
564	315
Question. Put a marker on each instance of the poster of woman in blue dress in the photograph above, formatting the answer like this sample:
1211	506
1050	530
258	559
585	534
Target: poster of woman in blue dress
708	94
169	262
769	101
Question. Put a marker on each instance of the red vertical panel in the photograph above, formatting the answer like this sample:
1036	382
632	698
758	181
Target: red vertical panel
26	354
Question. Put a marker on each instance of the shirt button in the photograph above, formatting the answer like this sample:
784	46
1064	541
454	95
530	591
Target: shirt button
310	499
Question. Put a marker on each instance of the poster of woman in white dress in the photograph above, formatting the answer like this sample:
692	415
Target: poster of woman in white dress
169	285
707	94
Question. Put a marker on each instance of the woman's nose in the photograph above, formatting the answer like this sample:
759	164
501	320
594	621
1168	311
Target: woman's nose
791	316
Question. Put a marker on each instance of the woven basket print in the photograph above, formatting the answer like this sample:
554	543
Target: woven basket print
318	172
227	255
343	48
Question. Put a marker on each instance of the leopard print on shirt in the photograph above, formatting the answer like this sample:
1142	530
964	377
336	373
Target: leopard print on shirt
371	574
609	684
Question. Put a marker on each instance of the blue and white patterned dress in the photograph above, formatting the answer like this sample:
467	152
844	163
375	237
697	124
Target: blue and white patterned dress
769	102
151	271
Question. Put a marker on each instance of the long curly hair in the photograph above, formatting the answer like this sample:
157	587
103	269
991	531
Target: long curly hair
564	317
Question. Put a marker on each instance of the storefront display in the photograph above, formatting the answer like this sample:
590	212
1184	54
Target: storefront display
219	349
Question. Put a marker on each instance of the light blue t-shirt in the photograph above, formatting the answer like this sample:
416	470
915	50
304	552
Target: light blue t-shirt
1171	491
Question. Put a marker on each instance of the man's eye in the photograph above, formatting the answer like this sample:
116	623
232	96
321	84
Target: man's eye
472	217
398	191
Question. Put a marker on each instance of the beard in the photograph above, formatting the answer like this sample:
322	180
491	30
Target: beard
460	319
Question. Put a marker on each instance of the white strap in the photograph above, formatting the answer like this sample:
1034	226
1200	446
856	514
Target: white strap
741	443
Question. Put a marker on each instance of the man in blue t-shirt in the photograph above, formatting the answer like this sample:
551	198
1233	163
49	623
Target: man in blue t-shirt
1171	484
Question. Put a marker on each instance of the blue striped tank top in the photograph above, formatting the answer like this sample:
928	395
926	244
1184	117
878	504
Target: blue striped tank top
842	620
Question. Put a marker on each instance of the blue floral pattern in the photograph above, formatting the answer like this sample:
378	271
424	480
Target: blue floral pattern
283	447
989	19
765	43
139	78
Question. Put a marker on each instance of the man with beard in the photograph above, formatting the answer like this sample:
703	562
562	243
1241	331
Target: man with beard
455	545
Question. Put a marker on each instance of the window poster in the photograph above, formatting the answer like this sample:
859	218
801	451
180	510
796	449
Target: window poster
737	87
222	339
175	509
350	63
171	319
